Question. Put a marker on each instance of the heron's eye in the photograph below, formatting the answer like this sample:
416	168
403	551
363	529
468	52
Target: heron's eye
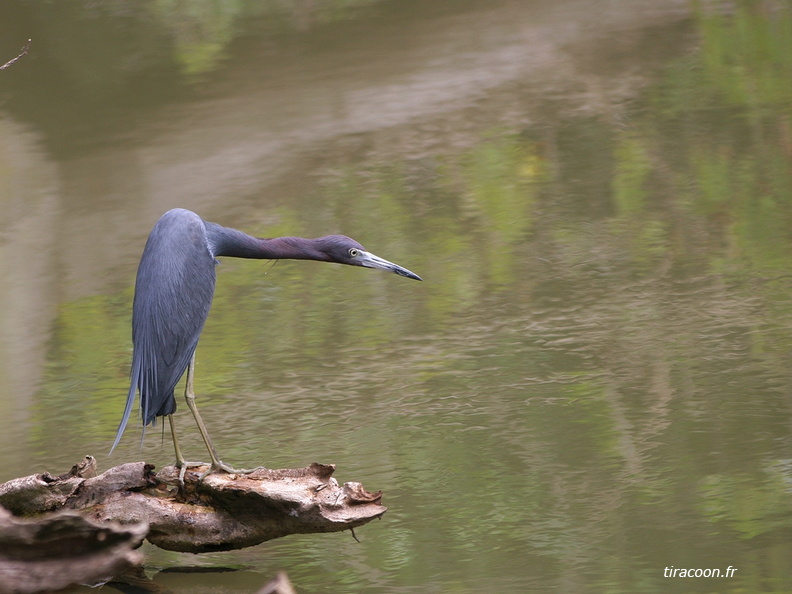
353	252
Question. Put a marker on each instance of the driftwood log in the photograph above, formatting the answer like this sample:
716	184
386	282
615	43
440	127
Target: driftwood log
63	549
130	502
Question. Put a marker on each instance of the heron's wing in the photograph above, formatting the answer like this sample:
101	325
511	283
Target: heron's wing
173	293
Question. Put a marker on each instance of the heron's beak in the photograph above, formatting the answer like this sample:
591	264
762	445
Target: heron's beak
369	260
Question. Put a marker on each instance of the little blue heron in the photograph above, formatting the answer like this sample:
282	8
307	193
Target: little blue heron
173	293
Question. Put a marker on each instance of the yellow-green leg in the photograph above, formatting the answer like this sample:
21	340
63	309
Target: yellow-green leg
189	396
181	463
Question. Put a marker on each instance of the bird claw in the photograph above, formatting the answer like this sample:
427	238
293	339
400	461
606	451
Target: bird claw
183	465
217	466
223	467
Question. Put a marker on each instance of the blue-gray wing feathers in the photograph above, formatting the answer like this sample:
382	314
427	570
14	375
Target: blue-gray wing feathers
173	293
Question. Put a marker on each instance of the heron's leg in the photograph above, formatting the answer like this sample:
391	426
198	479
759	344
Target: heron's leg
189	395
181	463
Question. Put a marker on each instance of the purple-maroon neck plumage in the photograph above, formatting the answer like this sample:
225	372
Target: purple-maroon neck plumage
224	241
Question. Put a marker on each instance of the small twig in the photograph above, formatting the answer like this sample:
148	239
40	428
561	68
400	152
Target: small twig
23	52
271	266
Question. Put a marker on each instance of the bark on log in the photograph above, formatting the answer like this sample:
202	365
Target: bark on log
130	502
63	549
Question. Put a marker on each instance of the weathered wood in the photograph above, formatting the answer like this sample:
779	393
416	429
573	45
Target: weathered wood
38	493
218	512
62	549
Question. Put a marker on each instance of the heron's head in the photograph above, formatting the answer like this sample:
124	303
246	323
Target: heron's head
345	250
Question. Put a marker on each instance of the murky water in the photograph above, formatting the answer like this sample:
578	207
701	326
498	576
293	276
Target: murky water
592	383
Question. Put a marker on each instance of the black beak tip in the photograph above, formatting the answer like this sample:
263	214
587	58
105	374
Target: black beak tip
408	274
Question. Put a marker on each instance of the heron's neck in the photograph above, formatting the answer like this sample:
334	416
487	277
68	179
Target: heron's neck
230	242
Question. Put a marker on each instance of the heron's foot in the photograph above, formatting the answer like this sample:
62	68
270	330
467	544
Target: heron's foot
183	465
220	466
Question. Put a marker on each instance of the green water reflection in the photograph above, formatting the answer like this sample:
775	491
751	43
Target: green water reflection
591	384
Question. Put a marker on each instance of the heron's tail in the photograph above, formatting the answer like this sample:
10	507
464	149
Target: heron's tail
127	411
